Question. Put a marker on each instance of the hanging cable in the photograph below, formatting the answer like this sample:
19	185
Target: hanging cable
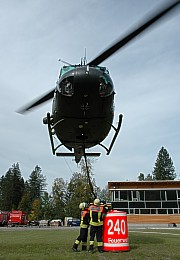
88	176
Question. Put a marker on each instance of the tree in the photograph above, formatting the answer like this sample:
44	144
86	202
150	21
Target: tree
87	171
78	191
25	204
47	211
149	177
59	191
104	194
164	169
36	210
36	183
12	188
141	176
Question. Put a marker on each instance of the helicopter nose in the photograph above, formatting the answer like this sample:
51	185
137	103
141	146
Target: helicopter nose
86	79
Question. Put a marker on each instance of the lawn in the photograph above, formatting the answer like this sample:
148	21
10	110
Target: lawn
53	244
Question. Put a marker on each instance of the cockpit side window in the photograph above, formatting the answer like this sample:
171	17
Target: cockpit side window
105	87
66	87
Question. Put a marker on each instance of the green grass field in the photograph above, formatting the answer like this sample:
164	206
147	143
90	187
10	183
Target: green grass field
47	244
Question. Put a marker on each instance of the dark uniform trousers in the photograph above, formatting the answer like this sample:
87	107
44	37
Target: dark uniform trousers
96	223
82	237
83	230
98	231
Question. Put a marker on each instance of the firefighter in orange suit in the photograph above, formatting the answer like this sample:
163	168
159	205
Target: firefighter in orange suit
85	218
97	212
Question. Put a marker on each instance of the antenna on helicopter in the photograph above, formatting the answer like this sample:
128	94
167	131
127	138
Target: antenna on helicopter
84	59
65	62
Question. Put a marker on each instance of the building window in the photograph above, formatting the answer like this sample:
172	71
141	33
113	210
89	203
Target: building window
135	195
175	211
131	211
136	211
162	211
145	211
141	194
130	195
170	211
123	195
153	204
163	195
178	192
152	195
170	204
153	211
116	195
171	195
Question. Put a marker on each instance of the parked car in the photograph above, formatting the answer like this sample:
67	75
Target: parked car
44	223
33	223
56	223
73	222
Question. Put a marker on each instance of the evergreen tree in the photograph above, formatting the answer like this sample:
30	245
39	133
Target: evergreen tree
36	183
18	185
1	197
149	177
164	169
141	176
12	188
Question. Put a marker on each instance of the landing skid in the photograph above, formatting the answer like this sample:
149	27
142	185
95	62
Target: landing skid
73	154
47	121
115	135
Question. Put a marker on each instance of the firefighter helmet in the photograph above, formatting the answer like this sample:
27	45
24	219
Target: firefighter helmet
83	205
97	202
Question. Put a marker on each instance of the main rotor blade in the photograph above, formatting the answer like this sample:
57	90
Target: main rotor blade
47	96
136	31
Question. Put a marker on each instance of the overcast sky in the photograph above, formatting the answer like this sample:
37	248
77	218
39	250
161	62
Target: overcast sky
34	34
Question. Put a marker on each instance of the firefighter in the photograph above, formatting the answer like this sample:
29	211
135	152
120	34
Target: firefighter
97	212
85	218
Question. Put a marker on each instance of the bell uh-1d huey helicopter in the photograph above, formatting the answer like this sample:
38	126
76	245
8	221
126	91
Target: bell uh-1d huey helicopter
83	100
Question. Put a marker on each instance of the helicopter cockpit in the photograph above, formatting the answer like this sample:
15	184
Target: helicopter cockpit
66	86
105	87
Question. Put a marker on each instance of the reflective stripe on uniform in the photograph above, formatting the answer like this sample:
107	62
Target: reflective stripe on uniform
84	226
99	243
91	243
100	223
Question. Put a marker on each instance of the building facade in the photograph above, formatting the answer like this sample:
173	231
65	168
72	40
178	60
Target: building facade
147	201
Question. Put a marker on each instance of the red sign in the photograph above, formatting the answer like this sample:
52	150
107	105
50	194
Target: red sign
115	232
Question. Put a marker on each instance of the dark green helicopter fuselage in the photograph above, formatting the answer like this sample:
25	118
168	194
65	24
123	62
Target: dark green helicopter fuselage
83	106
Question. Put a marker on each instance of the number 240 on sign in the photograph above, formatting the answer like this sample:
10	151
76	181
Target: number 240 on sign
119	226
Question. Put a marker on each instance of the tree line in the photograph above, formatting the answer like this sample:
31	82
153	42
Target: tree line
31	195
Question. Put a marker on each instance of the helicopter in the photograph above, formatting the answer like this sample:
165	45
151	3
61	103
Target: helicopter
83	100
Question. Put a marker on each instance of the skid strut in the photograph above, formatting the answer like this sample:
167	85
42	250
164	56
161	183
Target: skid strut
108	150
